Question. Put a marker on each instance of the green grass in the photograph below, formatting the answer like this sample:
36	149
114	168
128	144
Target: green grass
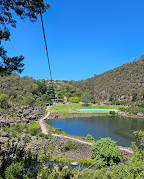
67	160
68	108
61	159
86	161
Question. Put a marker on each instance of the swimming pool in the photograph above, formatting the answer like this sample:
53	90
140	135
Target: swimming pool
94	110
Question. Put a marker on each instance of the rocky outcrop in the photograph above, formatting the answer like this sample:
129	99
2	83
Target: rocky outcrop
19	114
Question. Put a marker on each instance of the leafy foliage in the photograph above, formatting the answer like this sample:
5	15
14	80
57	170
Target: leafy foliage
13	157
30	101
89	137
68	145
3	101
105	152
86	97
8	10
15	170
74	99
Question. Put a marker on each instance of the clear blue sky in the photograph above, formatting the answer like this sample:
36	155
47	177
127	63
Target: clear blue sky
84	38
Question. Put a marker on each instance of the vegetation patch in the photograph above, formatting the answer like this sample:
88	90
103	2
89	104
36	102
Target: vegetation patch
68	145
73	108
105	152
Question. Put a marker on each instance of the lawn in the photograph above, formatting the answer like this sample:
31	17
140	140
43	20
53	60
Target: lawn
72	108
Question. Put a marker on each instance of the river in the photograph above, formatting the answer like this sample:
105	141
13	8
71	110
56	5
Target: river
117	128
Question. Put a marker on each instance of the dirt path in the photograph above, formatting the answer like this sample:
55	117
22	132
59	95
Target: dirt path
45	131
42	122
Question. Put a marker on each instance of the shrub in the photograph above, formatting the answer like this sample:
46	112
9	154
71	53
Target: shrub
89	137
113	113
105	152
42	135
26	139
30	101
19	139
34	131
69	145
34	128
3	101
74	99
15	170
58	131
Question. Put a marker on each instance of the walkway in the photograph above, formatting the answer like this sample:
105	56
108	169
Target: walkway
45	131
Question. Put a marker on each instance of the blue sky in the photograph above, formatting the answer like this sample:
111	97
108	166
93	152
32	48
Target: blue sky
84	38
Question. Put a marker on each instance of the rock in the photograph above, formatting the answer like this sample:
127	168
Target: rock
140	114
31	117
3	140
4	134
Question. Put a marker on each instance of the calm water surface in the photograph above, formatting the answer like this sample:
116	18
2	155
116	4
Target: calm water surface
118	128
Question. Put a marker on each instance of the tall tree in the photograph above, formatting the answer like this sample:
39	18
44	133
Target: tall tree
86	98
23	9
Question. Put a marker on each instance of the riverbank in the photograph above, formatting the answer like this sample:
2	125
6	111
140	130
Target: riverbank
83	150
73	115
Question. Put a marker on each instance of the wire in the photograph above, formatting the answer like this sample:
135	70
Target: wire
45	43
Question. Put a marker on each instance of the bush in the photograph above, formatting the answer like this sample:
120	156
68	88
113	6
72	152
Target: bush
26	139
42	135
3	101
105	152
34	128
69	145
74	99
58	131
89	137
113	113
30	101
15	170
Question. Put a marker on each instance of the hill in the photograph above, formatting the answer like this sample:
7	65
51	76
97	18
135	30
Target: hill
124	83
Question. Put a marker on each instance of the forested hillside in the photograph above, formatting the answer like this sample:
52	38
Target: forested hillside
123	83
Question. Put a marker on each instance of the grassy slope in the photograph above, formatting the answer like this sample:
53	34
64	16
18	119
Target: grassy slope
68	108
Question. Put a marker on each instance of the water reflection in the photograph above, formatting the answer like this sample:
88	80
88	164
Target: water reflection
118	128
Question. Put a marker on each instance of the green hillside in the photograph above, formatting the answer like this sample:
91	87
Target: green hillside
124	83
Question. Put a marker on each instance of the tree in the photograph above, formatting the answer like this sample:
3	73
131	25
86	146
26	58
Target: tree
86	97
42	87
45	98
51	91
23	9
30	101
105	152
59	93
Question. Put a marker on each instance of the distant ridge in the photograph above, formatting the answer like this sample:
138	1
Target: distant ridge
124	82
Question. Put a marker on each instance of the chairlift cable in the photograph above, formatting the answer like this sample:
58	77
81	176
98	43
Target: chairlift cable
45	43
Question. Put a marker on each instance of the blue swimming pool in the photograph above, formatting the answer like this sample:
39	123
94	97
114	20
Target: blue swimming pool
94	110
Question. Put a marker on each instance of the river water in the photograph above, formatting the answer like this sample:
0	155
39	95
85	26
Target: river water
117	128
